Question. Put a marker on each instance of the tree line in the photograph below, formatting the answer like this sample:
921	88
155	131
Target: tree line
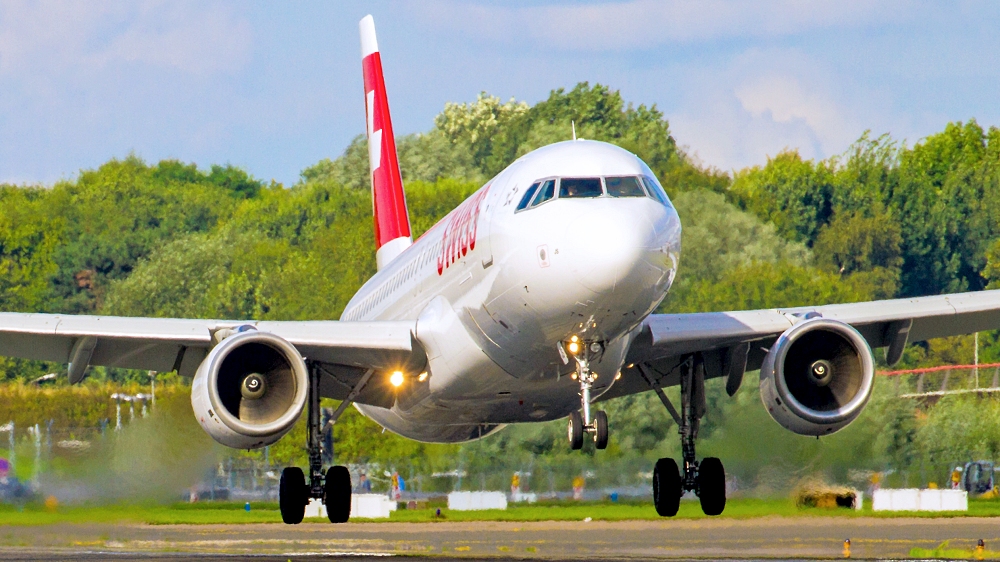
884	219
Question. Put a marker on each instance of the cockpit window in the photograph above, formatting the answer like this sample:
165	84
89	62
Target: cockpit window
608	186
580	187
545	192
627	186
656	191
527	196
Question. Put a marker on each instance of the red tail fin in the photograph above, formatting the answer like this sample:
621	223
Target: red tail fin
392	222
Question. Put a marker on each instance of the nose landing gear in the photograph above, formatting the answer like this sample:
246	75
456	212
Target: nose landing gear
580	424
706	479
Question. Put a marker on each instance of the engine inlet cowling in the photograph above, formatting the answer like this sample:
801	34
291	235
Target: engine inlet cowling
250	390
817	377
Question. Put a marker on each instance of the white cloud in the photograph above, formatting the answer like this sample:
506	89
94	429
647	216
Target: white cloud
766	101
783	99
48	37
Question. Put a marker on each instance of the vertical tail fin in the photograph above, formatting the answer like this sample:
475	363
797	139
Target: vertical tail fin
392	222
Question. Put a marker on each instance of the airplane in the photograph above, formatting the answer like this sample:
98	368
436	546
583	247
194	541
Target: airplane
532	301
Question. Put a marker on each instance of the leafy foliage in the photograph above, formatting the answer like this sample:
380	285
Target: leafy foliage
879	221
924	215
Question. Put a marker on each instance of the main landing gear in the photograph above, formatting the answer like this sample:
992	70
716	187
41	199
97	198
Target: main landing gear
706	479
332	488
580	424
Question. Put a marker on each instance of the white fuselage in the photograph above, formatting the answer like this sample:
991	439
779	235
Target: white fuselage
495	291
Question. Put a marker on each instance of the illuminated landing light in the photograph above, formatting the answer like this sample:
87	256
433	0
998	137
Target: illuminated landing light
573	347
618	375
396	378
422	377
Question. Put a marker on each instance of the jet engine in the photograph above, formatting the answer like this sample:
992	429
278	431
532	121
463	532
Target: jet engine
250	390
817	377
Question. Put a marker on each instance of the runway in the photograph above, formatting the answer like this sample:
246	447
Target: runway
758	538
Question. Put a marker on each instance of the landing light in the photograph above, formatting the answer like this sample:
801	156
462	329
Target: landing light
396	378
618	375
573	347
422	377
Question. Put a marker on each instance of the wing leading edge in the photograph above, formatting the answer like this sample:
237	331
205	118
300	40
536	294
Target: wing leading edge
664	339
346	349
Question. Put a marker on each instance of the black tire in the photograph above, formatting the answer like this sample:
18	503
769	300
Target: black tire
574	430
601	435
666	487
712	486
292	495
337	494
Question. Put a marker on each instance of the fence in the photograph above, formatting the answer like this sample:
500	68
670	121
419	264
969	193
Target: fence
935	382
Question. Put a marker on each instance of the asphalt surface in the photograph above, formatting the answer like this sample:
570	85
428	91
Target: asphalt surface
760	538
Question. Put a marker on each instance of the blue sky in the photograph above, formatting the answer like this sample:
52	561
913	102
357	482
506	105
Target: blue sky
274	87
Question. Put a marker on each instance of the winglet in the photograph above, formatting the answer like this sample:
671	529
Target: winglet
392	222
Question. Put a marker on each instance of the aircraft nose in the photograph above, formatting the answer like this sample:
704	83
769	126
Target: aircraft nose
617	249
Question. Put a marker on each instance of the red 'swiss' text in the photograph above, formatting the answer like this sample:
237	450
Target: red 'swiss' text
459	235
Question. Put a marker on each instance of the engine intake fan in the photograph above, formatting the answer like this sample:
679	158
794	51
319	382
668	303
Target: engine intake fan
817	377
250	390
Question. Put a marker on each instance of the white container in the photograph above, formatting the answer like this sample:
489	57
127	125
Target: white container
371	506
315	508
367	506
912	499
475	501
954	500
529	497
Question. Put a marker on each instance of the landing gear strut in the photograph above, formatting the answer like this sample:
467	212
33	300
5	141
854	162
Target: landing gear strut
332	488
580	424
706	479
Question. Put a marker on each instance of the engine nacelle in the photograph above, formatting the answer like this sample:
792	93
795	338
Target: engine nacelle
817	377
250	390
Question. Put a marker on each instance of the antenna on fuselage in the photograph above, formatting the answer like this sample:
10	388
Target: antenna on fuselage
573	124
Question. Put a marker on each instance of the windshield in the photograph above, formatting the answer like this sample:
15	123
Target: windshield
627	186
546	192
576	188
656	191
527	196
580	187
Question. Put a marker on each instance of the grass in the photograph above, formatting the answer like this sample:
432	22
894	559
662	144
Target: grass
228	513
943	551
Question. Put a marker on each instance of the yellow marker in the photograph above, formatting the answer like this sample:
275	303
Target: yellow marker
847	548
980	550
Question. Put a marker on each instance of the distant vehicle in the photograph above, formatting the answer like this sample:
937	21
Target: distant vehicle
978	477
529	302
13	491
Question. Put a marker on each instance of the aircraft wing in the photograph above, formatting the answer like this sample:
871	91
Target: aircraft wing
346	349
726	338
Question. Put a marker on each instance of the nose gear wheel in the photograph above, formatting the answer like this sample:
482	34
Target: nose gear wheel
581	423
